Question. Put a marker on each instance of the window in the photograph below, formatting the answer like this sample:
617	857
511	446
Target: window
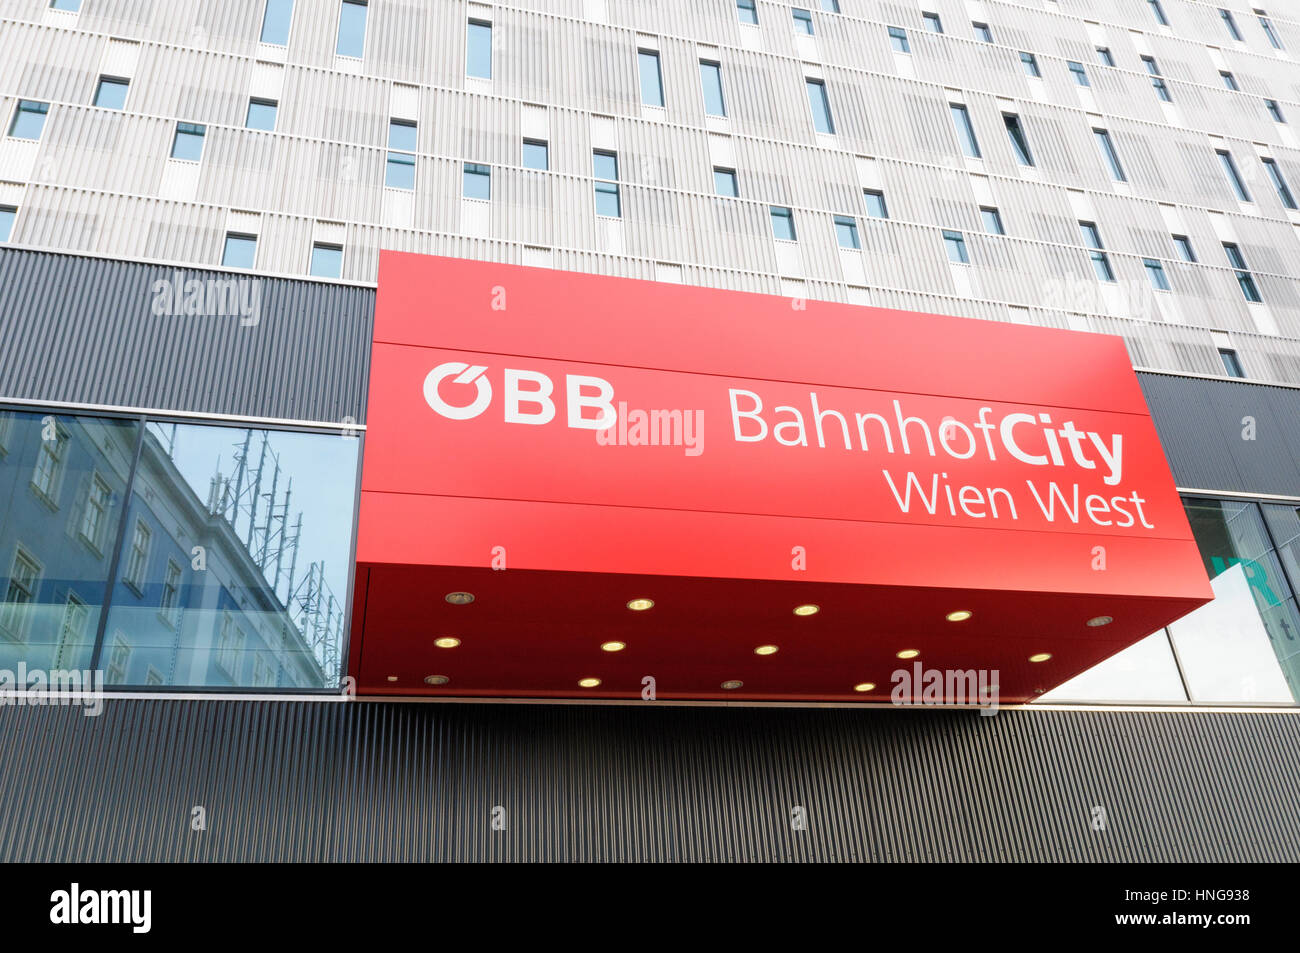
1158	12
821	107
72	630
956	246
1096	251
169	606
399	169
1156	272
1080	74
875	201
95	517
652	82
982	32
1183	245
711	85
476	181
932	22
965	131
137	560
604	166
1269	32
119	658
831	6
240	251
802	21
188	141
1157	80
724	182
111	92
261	114
230	646
275	22
898	40
783	223
1245	280
71	6
7	215
478	49
1230	23
1109	154
992	219
1279	183
846	232
20	593
1274	110
1233	177
536	154
1104	57
1231	362
1019	144
352	29
1030	63
29	119
48	475
263	671
1229	80
326	260
747	11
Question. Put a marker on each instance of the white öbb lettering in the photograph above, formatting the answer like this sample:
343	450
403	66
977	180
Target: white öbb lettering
528	396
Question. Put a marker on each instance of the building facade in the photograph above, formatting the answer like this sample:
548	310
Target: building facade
193	198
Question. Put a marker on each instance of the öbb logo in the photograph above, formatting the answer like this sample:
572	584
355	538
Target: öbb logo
527	398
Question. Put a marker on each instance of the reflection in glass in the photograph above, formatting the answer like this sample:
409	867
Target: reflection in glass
1143	672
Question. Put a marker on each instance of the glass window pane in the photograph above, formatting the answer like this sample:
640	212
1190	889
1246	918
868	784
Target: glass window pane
747	11
992	221
477	181
1080	74
956	246
724	182
783	223
401	135
72	6
1283	190
1143	672
261	114
29	119
965	131
1156	272
275	22
188	143
932	22
898	40
399	171
875	200
1103	54
1019	144
846	232
1231	362
803	21
240	251
7	215
831	6
326	260
352	29
821	107
478	49
982	32
652	84
1230	173
1109	155
1183	245
111	93
711	83
536	155
604	165
1030	64
1229	80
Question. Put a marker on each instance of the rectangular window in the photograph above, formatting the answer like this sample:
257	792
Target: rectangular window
1109	154
965	131
111	92
1269	32
326	260
1229	80
275	22
399	169
1162	89
831	6
1245	280
898	40
1183	245
7	215
1274	110
478	49
1080	74
747	11
476	181
137	560
48	475
169	604
1231	174
230	646
992	219
71	6
846	232
261	114
875	201
1104	57
604	167
1096	251
652	81
1279	183
711	85
821	106
119	660
240	251
1230	23
20	594
724	182
1030	64
1019	143
188	141
1158	12
783	223
1156	272
29	119
1231	362
352	29
982	32
932	22
72	630
803	21
536	154
95	517
956	246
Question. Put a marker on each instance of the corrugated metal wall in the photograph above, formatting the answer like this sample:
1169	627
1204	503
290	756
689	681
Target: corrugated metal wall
371	781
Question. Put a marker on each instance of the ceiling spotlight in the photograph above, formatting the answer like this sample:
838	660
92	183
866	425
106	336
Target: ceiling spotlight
436	679
1040	657
392	678
613	646
1101	620
864	686
961	615
640	605
765	650
447	642
588	682
732	683
460	598
909	653
807	609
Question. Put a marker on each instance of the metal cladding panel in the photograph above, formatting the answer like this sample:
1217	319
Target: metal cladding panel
85	330
369	781
1234	436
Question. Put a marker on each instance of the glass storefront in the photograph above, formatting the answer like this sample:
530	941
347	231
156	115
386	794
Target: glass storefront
171	554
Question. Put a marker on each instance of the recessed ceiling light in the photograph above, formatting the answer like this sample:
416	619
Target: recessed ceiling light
909	653
588	682
807	609
392	678
447	642
460	598
961	615
613	646
640	605
436	679
1101	620
1040	657
765	650
864	686
732	684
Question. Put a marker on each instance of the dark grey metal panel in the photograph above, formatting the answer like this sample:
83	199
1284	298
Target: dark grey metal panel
1201	424
84	330
376	781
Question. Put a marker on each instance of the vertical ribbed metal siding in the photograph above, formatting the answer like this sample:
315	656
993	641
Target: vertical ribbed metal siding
416	782
83	330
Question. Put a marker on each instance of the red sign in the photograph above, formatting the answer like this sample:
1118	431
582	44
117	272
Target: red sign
560	422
